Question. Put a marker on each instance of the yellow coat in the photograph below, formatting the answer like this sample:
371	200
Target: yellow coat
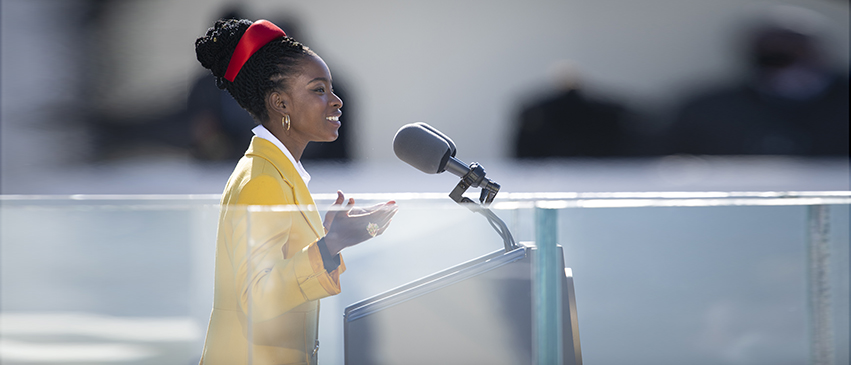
281	279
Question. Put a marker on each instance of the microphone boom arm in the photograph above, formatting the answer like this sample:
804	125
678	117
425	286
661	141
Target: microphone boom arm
475	177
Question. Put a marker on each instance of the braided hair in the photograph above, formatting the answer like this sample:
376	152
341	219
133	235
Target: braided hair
268	69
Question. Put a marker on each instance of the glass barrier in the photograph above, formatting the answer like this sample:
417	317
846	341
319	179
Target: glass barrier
661	278
105	279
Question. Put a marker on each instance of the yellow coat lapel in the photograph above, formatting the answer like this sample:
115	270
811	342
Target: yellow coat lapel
267	150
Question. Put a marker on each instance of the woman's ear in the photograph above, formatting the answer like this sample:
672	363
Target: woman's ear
277	101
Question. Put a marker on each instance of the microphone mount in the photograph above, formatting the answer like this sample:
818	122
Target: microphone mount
475	177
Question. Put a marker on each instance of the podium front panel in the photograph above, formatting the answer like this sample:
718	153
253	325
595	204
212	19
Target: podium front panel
479	312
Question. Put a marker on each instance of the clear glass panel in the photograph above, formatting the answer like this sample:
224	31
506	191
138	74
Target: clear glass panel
105	280
660	278
702	285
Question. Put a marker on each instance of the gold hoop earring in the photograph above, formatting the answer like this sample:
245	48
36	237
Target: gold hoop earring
286	121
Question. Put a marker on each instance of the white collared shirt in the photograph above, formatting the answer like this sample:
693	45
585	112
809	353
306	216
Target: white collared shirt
261	132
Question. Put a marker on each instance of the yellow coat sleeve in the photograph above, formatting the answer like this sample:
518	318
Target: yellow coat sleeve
273	274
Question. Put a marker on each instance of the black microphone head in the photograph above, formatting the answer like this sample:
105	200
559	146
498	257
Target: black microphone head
422	148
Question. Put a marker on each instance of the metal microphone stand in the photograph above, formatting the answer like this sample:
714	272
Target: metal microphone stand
476	178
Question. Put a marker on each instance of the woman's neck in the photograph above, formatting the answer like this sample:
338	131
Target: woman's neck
295	147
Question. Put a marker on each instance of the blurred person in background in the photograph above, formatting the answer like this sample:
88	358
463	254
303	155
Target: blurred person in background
570	123
791	103
218	123
294	259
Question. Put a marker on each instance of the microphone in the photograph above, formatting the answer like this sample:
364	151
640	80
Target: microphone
428	150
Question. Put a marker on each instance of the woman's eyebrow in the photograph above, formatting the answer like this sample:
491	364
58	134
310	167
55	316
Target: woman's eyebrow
319	79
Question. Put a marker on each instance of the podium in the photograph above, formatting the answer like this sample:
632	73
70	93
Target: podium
477	312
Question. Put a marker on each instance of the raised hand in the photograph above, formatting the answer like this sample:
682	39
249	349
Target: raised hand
346	228
329	216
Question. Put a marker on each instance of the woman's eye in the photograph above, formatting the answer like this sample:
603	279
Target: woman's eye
320	90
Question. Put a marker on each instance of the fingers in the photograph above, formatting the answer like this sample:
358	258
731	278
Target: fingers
359	212
384	227
386	223
384	214
383	217
329	216
353	230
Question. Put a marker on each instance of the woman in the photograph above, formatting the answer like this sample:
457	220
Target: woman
273	266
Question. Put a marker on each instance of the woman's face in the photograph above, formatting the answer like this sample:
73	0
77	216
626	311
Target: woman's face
314	109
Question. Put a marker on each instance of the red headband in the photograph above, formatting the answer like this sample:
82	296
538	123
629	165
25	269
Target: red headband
257	35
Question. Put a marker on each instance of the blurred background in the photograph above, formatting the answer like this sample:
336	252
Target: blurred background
103	96
106	97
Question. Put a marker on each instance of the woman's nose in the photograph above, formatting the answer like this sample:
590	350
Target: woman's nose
336	101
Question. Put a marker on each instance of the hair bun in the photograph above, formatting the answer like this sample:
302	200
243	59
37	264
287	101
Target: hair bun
216	47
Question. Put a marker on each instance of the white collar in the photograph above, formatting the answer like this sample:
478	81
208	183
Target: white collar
261	132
